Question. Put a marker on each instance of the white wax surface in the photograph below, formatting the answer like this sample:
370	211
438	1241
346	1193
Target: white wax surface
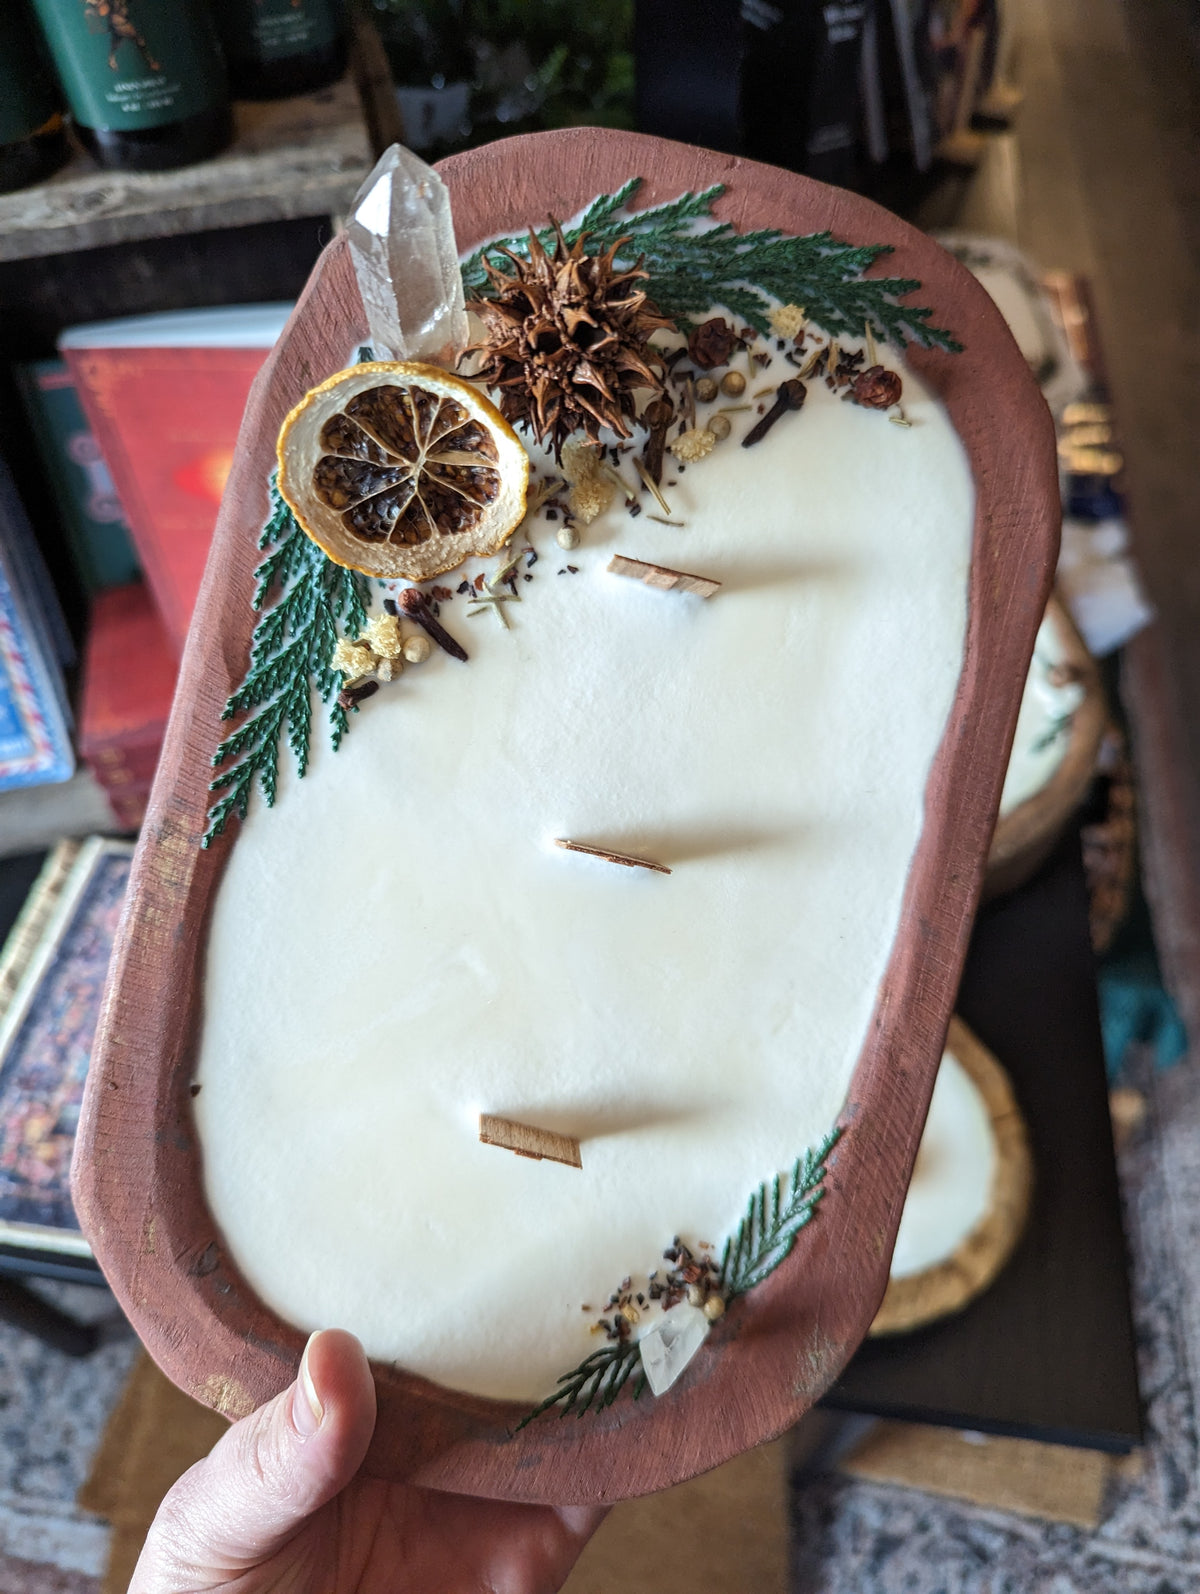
398	945
1043	728
952	1181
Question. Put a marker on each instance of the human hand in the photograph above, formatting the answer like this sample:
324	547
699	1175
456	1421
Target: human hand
279	1507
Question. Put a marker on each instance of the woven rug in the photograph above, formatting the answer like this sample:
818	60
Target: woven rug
854	1537
53	1409
850	1536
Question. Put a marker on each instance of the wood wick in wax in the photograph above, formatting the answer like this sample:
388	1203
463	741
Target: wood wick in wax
527	1140
663	577
624	858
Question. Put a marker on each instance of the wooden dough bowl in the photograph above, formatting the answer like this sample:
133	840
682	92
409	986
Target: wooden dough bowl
138	1184
1024	838
938	1291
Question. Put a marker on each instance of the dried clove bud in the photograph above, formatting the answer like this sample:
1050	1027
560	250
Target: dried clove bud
352	696
789	395
712	342
414	603
877	388
657	418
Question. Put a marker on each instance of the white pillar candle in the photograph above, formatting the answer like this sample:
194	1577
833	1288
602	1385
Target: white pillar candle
399	945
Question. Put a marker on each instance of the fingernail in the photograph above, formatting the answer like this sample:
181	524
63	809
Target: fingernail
307	1410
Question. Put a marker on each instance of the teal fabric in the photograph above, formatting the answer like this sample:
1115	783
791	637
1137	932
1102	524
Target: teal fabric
1135	1006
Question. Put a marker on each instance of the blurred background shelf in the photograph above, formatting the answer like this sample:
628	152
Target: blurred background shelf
290	158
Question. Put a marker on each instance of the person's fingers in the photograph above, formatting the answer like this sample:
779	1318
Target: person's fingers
267	1475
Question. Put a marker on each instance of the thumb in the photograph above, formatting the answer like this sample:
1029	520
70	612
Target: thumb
264	1478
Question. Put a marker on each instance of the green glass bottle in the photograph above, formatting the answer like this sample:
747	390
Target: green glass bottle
145	79
33	140
279	47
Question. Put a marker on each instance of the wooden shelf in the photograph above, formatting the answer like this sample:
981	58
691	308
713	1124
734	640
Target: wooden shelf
290	158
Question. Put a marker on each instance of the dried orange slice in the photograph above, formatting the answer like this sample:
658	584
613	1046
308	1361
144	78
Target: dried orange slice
402	470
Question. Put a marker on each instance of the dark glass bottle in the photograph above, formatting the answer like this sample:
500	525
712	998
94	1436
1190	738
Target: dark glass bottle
145	79
279	47
429	48
33	140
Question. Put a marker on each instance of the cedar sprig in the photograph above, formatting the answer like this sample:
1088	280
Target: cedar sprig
692	270
777	1212
289	654
765	1237
595	1383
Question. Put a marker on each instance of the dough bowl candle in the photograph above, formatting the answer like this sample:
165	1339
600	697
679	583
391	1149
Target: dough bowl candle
566	1032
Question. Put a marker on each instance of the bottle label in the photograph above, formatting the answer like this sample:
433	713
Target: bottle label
434	116
273	30
27	95
134	64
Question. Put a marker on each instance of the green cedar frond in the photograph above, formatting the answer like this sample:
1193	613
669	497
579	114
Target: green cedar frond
693	268
778	1211
316	601
594	1384
776	1214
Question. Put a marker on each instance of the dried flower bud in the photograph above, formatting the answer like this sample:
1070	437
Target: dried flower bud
567	537
787	320
877	388
733	384
417	649
719	426
352	659
712	342
694	444
589	498
580	460
382	636
706	389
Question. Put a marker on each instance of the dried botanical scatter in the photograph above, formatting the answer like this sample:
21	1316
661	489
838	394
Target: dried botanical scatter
401	470
790	395
712	342
566	341
657	418
876	388
787	320
693	1276
591	491
694	445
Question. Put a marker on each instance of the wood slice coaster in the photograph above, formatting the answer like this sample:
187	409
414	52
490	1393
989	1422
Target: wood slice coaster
915	1299
1025	837
138	1183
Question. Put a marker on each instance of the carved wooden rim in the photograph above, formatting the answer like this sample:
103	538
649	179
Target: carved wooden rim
1024	838
137	1177
919	1298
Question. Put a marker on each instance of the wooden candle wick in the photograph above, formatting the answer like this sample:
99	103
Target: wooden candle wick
662	576
527	1140
624	858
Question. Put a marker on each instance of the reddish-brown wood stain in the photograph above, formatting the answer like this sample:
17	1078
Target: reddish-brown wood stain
138	1183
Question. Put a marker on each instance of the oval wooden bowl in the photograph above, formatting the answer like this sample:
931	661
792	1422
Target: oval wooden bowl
920	1298
1025	837
138	1181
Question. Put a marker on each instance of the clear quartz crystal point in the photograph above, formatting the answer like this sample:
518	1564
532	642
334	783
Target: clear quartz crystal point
406	261
671	1344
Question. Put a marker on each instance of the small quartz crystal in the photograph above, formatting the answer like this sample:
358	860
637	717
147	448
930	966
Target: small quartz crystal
402	243
670	1345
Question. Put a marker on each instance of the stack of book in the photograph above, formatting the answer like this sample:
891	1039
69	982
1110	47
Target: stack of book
135	425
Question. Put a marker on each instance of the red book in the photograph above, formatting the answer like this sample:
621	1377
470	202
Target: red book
164	395
128	682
